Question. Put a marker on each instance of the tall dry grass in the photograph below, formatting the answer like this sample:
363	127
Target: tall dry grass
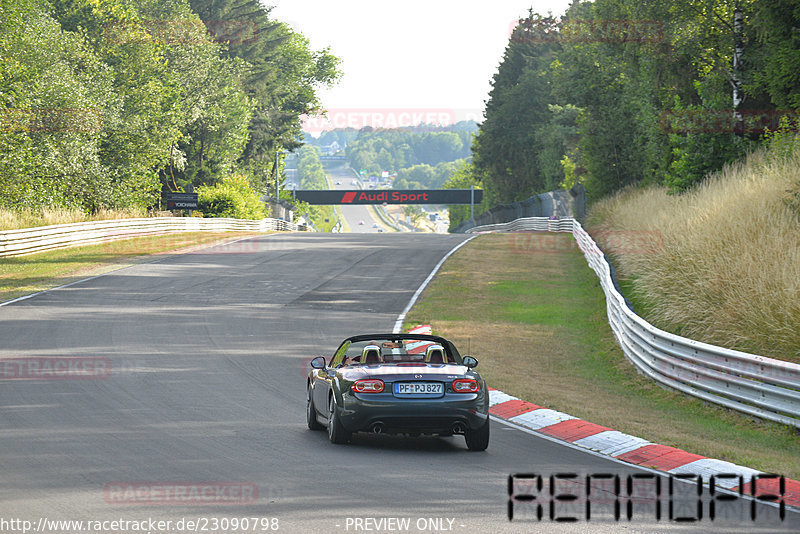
727	268
11	220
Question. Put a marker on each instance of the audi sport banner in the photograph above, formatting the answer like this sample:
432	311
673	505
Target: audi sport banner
391	196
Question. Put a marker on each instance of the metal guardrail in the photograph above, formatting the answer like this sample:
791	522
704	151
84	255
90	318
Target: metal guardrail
561	204
37	239
756	385
386	218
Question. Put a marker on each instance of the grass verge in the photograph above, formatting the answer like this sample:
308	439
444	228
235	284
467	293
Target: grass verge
535	317
323	217
24	275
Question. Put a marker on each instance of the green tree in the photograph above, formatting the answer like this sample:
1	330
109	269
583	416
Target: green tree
775	53
507	145
401	148
55	95
465	176
309	169
284	73
610	92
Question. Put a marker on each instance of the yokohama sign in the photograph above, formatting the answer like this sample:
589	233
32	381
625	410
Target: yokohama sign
392	196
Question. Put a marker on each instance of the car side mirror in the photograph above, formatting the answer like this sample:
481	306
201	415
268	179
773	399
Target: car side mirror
470	362
318	363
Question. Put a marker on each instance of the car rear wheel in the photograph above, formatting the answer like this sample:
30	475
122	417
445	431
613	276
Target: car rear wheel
478	440
336	432
311	412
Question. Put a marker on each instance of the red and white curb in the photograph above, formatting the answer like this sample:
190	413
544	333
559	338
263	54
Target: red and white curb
418	347
627	448
638	451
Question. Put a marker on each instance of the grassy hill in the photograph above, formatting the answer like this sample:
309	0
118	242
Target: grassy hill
720	263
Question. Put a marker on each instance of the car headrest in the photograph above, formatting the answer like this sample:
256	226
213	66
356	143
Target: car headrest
371	355
435	354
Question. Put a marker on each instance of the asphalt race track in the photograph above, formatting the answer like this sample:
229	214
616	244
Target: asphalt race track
353	213
207	354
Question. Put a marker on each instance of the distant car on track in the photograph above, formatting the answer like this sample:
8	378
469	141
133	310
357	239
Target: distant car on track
375	225
398	384
361	223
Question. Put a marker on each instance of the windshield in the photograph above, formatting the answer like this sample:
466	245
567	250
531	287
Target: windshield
377	351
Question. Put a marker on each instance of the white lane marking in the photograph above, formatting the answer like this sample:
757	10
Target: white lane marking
611	442
541	418
398	325
6	303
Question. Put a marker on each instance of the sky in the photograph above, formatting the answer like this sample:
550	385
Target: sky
404	61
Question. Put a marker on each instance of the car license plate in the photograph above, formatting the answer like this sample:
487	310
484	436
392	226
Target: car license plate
419	388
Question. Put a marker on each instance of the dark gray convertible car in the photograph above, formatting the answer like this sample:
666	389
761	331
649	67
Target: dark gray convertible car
399	384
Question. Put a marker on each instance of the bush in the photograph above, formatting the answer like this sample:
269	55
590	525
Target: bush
233	197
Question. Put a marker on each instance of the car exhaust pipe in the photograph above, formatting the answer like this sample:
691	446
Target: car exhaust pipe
377	428
458	428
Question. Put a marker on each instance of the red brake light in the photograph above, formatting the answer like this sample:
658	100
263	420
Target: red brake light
368	385
465	385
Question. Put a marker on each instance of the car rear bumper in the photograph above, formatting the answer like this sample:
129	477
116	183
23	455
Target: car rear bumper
435	416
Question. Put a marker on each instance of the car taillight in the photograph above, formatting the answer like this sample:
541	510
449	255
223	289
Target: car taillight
466	385
368	385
